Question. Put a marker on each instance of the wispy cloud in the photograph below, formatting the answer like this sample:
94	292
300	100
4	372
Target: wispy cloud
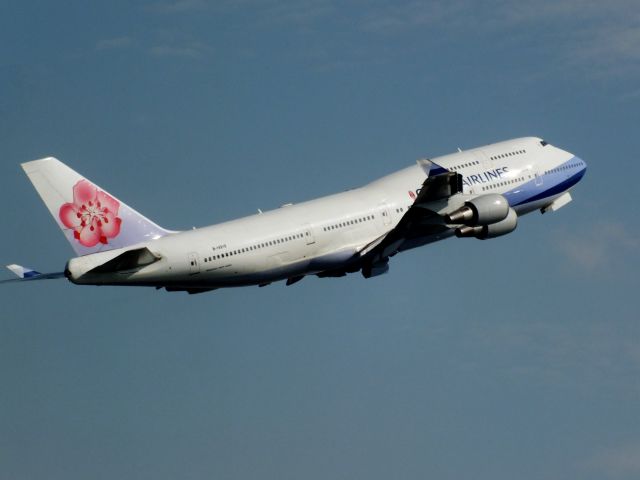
597	38
114	43
397	18
602	37
622	460
501	14
611	49
165	45
593	356
602	247
189	50
301	12
176	6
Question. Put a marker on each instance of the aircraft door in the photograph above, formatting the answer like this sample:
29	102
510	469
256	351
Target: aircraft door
309	237
194	265
484	160
538	180
386	216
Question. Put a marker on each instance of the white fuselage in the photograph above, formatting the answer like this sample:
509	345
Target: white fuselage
328	233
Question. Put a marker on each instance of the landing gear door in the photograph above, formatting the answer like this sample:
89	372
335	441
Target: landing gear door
194	265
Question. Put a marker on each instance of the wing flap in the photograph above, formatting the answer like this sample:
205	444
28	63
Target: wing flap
418	216
437	187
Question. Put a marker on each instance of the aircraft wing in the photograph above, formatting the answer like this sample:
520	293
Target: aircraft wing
419	220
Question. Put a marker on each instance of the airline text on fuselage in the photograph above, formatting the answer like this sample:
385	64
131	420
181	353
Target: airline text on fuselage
485	177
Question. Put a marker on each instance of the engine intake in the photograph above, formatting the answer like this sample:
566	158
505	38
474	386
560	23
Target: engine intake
483	210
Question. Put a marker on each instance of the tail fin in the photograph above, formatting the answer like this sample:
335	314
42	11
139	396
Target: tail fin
91	219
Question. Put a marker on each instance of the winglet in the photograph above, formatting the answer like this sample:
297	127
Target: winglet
431	168
23	272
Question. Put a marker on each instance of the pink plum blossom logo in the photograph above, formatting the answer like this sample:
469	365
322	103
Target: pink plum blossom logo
93	215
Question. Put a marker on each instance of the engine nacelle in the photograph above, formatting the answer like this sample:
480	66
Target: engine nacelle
483	210
497	229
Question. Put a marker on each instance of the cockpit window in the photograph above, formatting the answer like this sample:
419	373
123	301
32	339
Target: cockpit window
543	143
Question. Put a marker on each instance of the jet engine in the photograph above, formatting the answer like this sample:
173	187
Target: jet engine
507	225
482	210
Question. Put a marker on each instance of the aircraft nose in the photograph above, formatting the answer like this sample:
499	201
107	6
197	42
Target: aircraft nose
582	165
581	169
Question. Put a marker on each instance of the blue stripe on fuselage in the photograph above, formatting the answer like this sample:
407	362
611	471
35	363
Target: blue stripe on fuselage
552	184
555	189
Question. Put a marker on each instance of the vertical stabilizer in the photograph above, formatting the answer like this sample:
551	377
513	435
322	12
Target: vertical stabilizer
91	219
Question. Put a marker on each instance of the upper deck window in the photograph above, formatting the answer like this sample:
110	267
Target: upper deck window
543	143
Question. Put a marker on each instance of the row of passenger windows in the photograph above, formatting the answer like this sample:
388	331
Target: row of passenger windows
503	183
289	238
465	165
495	157
348	222
281	240
257	246
564	167
508	154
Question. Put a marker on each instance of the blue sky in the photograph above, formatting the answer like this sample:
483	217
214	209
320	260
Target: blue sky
517	357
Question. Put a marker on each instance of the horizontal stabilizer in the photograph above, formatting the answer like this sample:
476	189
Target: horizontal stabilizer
25	274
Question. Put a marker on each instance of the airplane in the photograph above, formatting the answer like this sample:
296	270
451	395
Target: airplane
478	193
